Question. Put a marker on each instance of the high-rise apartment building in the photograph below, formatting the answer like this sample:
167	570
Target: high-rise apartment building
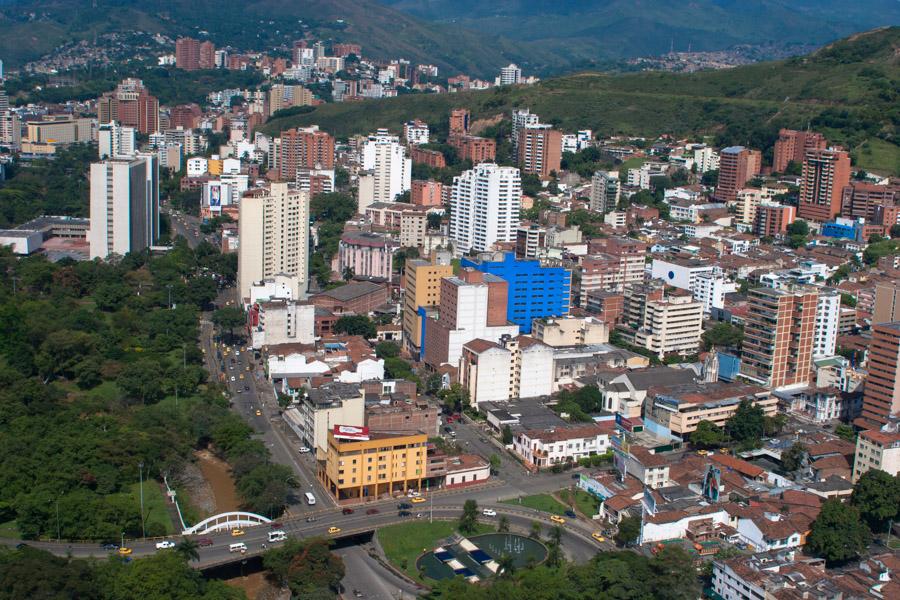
877	204
459	122
825	175
207	57
510	75
273	226
10	129
475	149
187	54
773	219
520	118
116	141
485	205
124	202
422	291
792	146
606	189
828	310
473	305
415	132
304	148
662	320
283	96
391	168
534	292
737	166
427	192
539	150
131	105
779	336
887	302
881	401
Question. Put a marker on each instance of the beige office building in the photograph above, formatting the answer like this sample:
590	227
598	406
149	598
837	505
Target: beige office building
887	303
274	236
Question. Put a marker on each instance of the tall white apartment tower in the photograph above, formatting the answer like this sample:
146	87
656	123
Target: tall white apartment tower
510	75
485	205
521	118
273	228
605	191
828	308
115	141
124	205
386	158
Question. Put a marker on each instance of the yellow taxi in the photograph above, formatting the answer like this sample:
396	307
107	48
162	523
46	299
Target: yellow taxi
598	536
123	551
258	413
417	500
237	532
702	452
241	375
557	519
334	530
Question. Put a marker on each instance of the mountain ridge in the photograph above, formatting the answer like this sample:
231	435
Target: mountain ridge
849	89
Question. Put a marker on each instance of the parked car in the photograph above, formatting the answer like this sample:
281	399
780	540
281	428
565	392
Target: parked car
310	519
204	542
334	530
413	494
489	512
403	513
347	511
598	536
164	545
404	506
557	519
571	514
303	449
123	551
110	547
447	428
372	511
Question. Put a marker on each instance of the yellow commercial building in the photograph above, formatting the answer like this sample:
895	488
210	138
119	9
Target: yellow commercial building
378	463
422	290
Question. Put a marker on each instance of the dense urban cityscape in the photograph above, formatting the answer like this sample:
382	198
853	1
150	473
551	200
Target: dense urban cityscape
304	320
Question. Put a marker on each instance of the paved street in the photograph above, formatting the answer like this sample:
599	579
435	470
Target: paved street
373	581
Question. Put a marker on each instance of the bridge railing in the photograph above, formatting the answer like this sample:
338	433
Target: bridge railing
228	520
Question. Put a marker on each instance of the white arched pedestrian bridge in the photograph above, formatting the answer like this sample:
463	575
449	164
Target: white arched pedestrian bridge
225	522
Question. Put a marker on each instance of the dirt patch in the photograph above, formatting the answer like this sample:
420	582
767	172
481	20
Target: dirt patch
257	587
480	125
217	474
197	489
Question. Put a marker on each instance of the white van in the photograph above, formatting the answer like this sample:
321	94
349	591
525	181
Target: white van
238	547
277	536
310	499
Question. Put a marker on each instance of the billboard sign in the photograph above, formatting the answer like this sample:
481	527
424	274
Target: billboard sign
351	432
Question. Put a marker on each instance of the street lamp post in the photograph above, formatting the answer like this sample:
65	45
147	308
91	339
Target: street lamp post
141	476
58	536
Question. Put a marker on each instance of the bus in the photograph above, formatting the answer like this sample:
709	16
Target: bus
310	499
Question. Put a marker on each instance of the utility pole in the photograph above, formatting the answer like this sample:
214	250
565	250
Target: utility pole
141	467
170	295
15	288
58	536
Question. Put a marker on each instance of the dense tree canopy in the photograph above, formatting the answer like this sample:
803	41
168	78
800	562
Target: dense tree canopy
838	534
877	497
91	358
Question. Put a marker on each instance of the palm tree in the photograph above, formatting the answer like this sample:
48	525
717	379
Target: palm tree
188	548
535	530
503	526
506	566
556	535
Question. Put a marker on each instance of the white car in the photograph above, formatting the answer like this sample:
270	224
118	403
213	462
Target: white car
232	377
164	545
303	449
489	512
413	494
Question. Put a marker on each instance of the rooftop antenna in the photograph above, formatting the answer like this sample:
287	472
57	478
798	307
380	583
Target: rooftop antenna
672	46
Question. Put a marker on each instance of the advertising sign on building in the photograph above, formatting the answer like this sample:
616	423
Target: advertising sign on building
351	432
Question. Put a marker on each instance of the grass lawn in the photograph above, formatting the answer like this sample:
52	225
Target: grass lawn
404	543
9	530
632	163
543	502
157	514
584	502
